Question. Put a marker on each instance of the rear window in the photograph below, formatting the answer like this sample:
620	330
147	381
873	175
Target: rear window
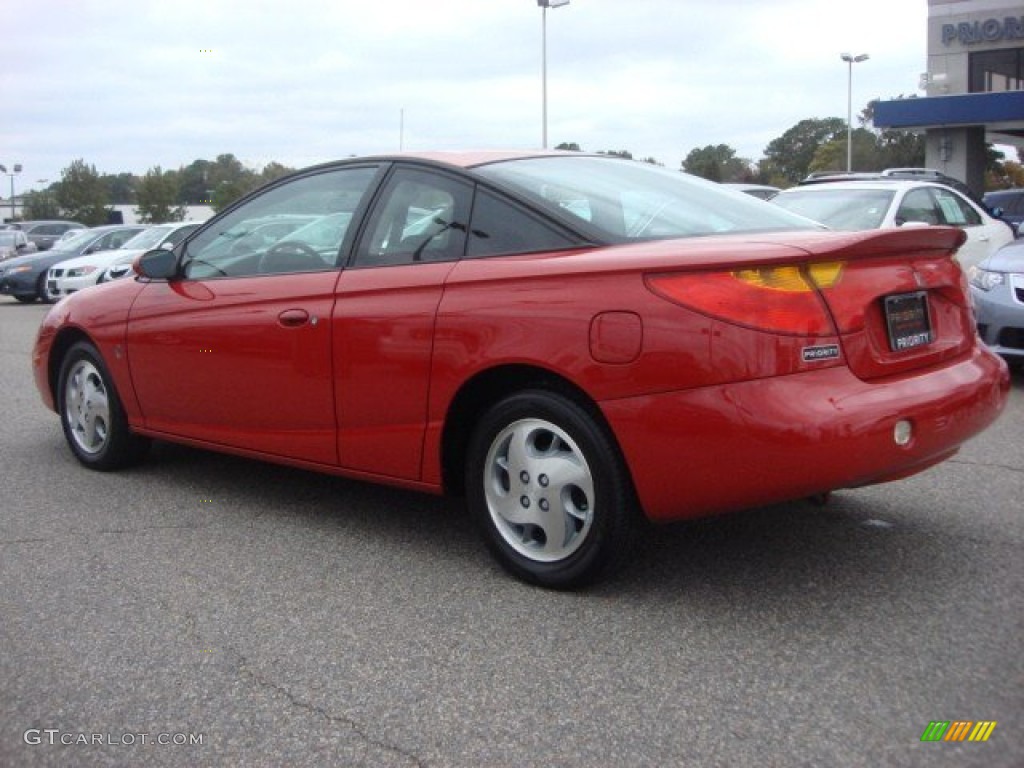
845	209
627	201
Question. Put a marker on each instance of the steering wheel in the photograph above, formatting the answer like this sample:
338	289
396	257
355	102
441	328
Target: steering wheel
280	257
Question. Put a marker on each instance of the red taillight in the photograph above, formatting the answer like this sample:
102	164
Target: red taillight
777	299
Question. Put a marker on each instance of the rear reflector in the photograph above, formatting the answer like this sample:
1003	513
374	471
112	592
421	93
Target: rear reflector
777	299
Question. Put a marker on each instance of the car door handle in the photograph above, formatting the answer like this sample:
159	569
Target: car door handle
292	318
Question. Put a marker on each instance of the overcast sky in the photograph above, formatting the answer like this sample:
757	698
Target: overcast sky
132	84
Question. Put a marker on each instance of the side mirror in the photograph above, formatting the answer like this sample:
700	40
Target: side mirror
158	264
996	212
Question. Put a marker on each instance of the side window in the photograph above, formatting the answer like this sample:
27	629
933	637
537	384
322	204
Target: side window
100	243
104	243
119	238
500	227
955	210
918	205
179	234
421	216
297	226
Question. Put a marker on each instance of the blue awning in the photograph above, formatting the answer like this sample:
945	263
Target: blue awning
996	111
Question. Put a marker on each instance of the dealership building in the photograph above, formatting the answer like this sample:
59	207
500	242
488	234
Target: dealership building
974	85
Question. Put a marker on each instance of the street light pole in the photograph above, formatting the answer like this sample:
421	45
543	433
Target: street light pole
850	60
15	169
544	5
46	197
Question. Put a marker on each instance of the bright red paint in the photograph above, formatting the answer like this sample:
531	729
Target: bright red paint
711	411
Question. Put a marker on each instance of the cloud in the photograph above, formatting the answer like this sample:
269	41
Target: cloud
130	86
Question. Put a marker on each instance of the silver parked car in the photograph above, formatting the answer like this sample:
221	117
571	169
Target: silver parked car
13	242
997	288
45	233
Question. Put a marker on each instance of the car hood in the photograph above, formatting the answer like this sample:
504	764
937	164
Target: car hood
127	256
33	258
99	258
104	303
1009	258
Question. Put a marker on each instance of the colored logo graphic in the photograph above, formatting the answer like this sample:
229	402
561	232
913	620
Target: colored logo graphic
958	730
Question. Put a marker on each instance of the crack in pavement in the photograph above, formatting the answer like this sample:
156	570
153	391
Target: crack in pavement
350	723
190	629
968	463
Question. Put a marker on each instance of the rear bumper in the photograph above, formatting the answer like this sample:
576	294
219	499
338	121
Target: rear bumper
699	452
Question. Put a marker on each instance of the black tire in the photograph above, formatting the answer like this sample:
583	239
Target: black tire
26	299
42	293
549	490
91	414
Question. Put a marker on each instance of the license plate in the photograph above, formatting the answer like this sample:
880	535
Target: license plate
906	316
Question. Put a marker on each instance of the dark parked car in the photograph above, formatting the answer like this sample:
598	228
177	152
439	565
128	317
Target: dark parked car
24	277
1010	202
46	233
567	340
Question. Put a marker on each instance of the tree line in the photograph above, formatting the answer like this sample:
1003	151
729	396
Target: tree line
813	144
819	145
85	195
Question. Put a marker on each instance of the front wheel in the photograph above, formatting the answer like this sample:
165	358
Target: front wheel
43	291
94	422
549	490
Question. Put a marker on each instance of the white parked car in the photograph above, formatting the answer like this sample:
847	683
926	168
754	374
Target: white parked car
885	203
66	277
159	236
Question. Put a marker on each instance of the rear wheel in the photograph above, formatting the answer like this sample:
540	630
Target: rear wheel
91	414
26	299
549	490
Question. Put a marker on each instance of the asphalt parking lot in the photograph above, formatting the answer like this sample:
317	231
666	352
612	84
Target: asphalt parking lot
269	616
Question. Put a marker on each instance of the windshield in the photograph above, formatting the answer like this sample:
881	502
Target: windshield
626	200
847	209
81	238
148	238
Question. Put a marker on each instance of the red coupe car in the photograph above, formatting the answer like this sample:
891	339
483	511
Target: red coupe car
567	340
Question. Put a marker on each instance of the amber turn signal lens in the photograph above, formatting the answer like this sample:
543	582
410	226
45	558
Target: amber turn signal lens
779	299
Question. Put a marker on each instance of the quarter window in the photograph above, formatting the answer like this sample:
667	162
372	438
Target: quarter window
421	217
499	227
955	210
